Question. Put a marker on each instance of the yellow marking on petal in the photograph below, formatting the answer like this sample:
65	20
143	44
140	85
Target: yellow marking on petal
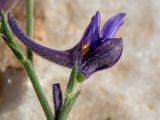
85	46
85	49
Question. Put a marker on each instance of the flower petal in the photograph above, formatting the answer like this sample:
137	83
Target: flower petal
105	46
64	58
105	56
57	99
92	32
112	25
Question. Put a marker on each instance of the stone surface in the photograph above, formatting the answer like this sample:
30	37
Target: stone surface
128	91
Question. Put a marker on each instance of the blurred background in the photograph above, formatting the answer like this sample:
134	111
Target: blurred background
128	91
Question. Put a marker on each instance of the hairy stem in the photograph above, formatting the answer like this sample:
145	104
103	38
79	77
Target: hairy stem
38	89
11	42
71	94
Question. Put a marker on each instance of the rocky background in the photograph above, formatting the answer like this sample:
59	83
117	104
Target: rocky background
128	91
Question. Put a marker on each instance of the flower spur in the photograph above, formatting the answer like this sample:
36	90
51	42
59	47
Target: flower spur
97	49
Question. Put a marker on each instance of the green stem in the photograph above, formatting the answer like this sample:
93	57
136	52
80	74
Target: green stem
11	42
71	93
37	87
29	25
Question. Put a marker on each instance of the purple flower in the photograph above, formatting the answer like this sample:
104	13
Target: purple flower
97	49
6	5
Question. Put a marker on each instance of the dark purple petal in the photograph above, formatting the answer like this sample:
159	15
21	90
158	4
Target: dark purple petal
112	25
57	99
105	46
104	57
91	35
6	5
64	58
